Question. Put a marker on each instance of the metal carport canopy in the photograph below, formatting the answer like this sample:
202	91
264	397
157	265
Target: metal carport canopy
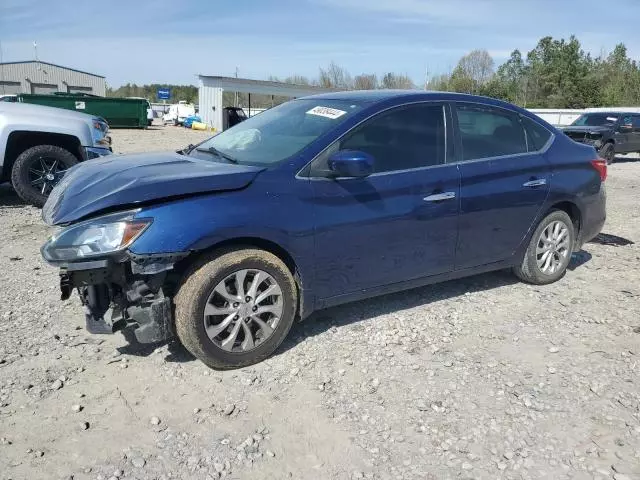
211	87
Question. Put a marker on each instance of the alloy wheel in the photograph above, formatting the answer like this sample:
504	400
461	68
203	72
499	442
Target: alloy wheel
553	247
45	173
243	310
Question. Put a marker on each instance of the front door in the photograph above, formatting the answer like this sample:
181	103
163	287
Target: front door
400	223
624	134
505	181
635	134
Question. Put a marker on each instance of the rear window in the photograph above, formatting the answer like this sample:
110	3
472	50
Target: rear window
489	132
537	135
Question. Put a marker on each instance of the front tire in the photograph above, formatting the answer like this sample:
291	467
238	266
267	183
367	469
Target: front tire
549	251
37	170
235	308
608	152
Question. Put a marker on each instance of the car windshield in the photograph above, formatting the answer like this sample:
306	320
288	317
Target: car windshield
595	120
280	132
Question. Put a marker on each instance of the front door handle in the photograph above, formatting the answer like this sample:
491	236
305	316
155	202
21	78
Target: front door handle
535	183
439	197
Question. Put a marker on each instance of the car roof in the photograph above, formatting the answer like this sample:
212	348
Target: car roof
375	96
608	112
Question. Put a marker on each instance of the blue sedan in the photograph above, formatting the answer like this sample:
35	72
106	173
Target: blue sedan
320	201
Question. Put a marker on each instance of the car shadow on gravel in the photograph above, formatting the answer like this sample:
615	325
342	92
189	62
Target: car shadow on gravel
366	310
369	309
357	312
619	159
177	353
578	259
611	240
9	198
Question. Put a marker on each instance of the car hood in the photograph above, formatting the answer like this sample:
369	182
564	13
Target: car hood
128	180
587	129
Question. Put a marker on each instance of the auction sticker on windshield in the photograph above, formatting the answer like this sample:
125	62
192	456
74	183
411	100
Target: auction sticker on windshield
327	112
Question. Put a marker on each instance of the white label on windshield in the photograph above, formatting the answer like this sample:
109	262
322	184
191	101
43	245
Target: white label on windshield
80	106
612	119
327	112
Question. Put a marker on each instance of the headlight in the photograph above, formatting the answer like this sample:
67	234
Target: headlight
99	132
100	236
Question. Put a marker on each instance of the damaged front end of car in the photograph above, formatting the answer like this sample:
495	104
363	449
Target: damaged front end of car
593	138
118	289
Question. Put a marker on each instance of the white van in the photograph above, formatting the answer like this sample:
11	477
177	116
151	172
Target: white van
178	112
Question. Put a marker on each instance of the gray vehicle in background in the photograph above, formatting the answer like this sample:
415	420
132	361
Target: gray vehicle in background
38	144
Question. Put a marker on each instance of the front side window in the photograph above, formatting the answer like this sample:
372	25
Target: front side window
404	138
280	132
489	132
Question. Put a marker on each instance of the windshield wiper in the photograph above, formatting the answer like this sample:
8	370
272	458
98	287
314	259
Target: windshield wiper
218	153
187	150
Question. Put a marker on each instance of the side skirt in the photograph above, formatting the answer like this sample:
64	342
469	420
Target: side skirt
407	285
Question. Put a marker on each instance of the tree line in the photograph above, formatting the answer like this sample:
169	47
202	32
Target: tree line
555	74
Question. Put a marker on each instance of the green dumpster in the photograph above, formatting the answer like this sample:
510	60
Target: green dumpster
118	112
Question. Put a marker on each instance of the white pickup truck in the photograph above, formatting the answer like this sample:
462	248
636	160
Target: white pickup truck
38	144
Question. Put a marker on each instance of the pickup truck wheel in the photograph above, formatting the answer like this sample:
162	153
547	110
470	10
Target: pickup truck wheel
38	169
608	152
235	308
549	251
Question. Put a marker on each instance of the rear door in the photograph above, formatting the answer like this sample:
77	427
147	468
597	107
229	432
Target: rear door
505	180
398	224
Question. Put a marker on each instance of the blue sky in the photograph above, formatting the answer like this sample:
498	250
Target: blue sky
171	41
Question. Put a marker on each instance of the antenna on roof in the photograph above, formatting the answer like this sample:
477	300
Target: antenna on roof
35	51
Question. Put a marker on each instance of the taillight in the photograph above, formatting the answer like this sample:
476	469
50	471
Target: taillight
601	166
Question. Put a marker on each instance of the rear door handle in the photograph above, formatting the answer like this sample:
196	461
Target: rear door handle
439	197
535	183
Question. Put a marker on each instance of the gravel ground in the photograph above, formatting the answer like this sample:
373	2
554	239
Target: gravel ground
478	378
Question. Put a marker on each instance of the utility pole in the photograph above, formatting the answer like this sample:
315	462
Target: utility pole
2	69
35	50
236	100
426	78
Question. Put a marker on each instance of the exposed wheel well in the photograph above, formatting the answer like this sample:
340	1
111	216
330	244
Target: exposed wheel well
240	242
19	141
254	242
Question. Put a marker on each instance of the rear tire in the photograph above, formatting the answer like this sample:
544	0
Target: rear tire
205	321
608	152
547	257
31	186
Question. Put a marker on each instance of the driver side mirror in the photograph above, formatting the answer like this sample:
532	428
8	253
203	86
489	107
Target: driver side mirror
351	164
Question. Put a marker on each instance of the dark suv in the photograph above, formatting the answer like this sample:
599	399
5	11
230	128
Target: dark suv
608	132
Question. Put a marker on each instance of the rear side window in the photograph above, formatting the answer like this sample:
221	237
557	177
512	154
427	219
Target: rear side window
489	132
406	137
636	122
537	135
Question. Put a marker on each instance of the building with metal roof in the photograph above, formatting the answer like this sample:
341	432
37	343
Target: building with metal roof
210	91
43	77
